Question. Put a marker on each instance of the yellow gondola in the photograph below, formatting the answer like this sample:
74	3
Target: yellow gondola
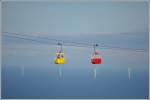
59	58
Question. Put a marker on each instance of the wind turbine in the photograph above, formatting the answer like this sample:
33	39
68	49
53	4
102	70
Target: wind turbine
129	73
94	69
60	71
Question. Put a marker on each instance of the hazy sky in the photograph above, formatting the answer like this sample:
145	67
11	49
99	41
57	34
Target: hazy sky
79	18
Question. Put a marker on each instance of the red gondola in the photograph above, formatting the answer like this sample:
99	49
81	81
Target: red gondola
95	58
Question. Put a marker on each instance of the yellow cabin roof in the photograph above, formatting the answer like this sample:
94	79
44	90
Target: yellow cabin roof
60	53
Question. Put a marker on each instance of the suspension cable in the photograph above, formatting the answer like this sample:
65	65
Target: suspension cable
53	41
